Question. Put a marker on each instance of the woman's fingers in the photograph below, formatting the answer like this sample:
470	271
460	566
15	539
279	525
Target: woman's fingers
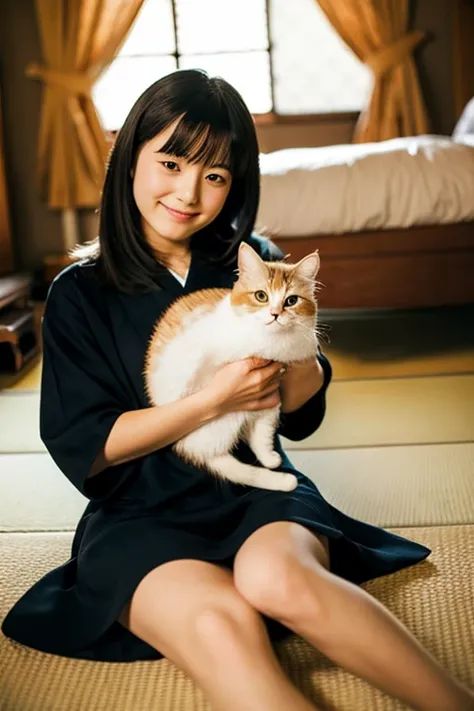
267	371
267	399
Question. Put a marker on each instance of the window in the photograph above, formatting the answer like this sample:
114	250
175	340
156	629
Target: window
283	57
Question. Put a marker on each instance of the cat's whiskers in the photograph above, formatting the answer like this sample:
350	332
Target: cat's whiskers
309	333
323	337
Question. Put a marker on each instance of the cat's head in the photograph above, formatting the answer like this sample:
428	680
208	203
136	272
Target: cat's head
277	294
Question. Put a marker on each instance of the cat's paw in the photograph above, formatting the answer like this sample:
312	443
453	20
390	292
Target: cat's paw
271	460
289	482
275	481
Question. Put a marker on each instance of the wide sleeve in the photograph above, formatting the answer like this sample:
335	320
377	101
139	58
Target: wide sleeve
80	396
301	423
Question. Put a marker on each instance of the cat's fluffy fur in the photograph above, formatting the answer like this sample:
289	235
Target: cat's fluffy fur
206	329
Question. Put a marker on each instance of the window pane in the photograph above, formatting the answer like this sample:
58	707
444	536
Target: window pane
314	71
122	83
152	32
221	25
249	73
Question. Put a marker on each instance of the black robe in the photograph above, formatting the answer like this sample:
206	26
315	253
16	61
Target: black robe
156	508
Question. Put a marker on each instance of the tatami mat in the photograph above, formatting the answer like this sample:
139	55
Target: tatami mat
424	485
360	413
434	599
19	415
365	413
36	496
396	449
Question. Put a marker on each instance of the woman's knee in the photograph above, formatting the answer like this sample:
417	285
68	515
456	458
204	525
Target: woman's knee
280	586
192	613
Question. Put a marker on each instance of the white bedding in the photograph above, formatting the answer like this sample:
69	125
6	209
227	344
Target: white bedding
347	188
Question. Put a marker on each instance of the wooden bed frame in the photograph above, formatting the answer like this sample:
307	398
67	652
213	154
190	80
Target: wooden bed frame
404	268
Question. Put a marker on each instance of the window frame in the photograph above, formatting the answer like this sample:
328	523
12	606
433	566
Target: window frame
271	118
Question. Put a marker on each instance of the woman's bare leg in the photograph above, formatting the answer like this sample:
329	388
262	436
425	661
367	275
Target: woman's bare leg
282	571
365	638
191	612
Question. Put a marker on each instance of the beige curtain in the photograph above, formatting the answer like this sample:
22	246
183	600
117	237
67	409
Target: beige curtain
377	33
79	39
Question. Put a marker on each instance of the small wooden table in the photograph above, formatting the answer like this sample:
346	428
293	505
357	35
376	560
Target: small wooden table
18	337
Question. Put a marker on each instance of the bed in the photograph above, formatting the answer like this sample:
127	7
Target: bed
393	221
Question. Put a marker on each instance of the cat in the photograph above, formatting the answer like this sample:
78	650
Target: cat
202	331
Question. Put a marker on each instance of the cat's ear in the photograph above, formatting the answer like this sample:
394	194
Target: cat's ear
249	262
308	266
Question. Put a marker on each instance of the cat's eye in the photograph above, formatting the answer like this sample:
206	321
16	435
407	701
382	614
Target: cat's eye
261	296
291	300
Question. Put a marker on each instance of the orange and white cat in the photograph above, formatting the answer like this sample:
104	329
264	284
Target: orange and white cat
271	312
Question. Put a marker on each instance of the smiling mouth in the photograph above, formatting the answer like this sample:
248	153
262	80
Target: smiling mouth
179	214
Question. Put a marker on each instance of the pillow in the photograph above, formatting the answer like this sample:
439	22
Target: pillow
465	124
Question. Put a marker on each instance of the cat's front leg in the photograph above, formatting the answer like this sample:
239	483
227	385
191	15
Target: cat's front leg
261	428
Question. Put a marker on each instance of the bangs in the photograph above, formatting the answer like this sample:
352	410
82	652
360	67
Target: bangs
204	143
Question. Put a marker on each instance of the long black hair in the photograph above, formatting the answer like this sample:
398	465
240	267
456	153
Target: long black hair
215	124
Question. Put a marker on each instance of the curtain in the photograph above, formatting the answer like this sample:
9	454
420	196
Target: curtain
79	39
377	33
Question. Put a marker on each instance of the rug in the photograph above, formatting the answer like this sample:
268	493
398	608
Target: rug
434	599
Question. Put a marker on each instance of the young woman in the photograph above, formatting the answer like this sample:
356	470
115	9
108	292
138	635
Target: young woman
164	562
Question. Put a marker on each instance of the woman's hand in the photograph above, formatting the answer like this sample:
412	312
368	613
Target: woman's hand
249	384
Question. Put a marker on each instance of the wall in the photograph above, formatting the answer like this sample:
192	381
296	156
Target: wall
463	53
6	251
435	61
37	230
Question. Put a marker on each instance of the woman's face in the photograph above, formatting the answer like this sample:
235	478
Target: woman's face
176	198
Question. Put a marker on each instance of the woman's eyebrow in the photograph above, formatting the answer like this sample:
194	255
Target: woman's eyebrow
223	166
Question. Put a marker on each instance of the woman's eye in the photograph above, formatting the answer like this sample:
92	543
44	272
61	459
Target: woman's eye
170	165
291	300
261	296
214	178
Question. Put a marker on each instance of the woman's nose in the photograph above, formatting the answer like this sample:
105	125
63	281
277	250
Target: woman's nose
188	191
